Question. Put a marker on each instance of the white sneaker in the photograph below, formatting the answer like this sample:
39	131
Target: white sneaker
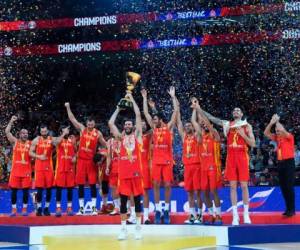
94	212
116	211
123	234
131	220
247	219
235	220
80	211
138	233
199	219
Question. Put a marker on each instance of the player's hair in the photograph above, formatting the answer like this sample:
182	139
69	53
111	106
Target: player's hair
43	125
128	120
159	115
90	118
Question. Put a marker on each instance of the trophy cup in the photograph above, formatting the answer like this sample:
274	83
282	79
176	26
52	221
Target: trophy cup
132	79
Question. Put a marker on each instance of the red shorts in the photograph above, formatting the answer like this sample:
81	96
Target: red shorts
133	186
237	166
211	179
113	180
162	172
192	177
20	182
147	182
86	170
65	179
44	179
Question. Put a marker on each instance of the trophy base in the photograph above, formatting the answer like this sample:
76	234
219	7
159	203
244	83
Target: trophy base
125	104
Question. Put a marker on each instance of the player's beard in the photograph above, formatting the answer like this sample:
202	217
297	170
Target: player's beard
128	131
66	137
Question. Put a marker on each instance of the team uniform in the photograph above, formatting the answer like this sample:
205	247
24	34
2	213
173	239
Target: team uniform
146	161
129	171
237	161
191	162
20	176
44	173
162	161
65	168
211	175
86	169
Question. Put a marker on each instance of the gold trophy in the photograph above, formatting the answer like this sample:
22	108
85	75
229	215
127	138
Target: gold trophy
132	79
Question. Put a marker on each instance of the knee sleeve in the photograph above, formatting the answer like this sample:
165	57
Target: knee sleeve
123	208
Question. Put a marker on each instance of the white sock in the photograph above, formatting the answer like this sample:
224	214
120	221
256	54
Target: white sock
14	206
139	220
146	213
210	210
234	211
117	203
81	202
246	208
69	204
128	204
47	204
132	212
218	210
199	210
94	200
192	211
157	207
123	224
39	204
58	204
25	205
104	200
167	206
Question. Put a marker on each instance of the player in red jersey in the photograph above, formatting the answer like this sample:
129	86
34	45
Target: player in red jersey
112	165
20	175
190	134
239	138
65	171
41	149
162	159
211	175
130	180
86	169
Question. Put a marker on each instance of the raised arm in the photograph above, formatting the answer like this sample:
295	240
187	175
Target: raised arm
212	130
108	158
179	121
138	119
212	118
172	122
79	126
267	132
57	140
145	108
112	126
12	139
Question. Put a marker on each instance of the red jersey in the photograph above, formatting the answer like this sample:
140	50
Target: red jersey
236	143
130	158
88	144
44	147
65	152
210	151
115	146
21	165
162	146
190	150
285	146
146	156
